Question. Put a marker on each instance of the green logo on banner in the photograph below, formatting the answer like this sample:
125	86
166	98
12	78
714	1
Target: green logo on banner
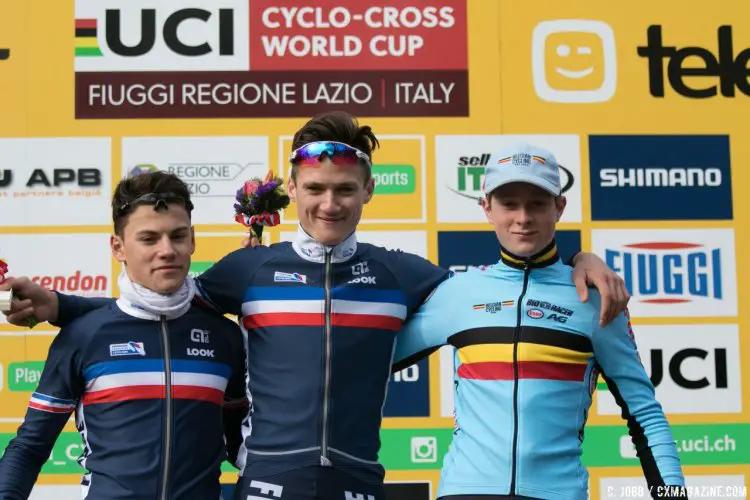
24	377
414	449
198	268
713	444
394	179
66	451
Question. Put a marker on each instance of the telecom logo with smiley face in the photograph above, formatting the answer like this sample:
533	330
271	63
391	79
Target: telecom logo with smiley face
574	61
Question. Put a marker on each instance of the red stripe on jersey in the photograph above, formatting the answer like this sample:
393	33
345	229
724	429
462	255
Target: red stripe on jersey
500	370
50	409
317	319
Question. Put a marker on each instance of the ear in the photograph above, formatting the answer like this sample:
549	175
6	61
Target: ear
118	248
487	207
369	189
560	203
192	240
291	189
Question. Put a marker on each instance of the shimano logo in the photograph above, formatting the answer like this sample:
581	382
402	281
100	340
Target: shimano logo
206	353
660	177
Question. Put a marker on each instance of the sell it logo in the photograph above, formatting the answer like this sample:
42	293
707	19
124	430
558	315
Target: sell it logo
574	61
731	70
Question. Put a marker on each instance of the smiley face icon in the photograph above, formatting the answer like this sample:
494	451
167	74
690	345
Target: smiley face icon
574	61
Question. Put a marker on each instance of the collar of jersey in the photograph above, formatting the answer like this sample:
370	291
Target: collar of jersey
545	257
312	250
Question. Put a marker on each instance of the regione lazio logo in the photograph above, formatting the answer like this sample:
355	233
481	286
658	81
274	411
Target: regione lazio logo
574	61
671	273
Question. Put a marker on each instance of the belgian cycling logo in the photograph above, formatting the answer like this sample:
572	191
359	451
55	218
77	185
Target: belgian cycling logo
493	307
128	349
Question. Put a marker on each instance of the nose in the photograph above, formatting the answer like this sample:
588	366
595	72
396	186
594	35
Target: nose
328	203
524	217
165	249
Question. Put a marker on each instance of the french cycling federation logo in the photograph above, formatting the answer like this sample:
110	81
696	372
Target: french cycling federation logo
280	277
128	349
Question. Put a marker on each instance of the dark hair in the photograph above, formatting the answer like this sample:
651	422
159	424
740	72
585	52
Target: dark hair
337	126
151	188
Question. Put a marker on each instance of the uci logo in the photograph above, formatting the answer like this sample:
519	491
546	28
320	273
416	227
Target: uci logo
141	35
206	353
171	32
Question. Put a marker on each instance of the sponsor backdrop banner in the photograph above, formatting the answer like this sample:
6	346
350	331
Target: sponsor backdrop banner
644	104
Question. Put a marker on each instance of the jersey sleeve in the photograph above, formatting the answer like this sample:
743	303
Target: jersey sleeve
418	277
236	403
428	329
56	397
616	354
72	307
223	285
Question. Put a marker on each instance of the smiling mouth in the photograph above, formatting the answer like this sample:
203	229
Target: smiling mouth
575	74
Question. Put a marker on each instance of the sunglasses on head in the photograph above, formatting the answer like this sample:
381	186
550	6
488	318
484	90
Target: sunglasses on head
158	200
338	152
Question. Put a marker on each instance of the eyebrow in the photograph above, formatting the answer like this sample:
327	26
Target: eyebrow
319	185
149	232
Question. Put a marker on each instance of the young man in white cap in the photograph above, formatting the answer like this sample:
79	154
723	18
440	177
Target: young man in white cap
528	355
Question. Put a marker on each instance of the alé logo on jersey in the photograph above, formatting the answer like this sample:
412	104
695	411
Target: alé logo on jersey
141	35
670	273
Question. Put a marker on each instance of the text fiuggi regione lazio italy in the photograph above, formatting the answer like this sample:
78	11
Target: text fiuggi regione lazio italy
643	103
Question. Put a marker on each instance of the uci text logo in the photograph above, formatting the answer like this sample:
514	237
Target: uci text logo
729	71
574	61
140	35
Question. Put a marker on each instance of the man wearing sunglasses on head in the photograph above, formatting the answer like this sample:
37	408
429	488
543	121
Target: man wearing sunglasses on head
153	379
319	338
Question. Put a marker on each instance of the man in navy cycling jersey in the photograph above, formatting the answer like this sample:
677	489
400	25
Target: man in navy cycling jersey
319	340
152	378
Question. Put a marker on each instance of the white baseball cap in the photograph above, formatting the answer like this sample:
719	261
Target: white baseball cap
523	163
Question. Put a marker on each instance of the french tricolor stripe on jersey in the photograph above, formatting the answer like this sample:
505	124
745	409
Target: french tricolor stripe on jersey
46	403
127	380
305	306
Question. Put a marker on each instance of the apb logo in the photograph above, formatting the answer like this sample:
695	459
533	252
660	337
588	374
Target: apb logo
723	64
632	175
143	36
671	273
694	368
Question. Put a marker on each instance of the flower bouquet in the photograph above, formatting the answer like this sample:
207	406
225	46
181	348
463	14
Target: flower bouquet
259	202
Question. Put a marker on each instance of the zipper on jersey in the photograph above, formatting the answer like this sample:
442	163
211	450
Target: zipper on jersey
516	336
324	460
167	439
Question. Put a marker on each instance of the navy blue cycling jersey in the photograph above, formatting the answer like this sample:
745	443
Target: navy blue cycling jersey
150	397
320	324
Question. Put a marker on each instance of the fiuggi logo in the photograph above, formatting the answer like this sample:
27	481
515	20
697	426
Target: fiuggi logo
76	282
